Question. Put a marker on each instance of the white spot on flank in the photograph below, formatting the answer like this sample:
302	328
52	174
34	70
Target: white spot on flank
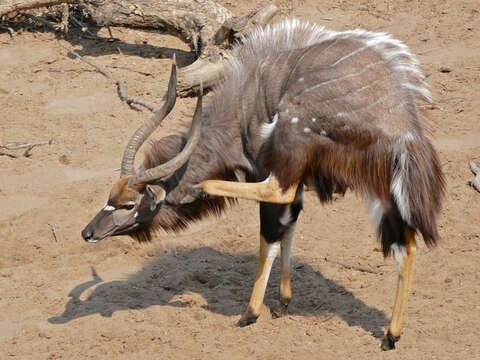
409	136
323	133
313	119
267	128
294	120
108	208
307	130
399	252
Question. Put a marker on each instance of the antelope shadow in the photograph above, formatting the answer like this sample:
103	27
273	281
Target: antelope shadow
225	281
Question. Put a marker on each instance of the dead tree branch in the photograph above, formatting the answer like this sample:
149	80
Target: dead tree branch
129	100
9	6
17	146
47	23
475	183
79	57
54	232
6	28
205	25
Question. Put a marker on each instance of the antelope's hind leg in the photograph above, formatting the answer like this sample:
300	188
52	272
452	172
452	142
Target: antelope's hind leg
405	256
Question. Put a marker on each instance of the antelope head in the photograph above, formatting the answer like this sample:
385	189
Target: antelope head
135	198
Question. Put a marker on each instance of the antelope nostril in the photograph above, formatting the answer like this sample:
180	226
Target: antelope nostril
86	234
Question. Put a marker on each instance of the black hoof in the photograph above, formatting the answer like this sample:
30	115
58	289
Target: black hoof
199	194
388	342
245	321
280	310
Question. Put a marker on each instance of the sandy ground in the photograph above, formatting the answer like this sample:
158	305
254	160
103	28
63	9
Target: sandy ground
180	296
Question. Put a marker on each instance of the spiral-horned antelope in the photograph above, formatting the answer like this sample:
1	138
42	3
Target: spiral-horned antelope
298	105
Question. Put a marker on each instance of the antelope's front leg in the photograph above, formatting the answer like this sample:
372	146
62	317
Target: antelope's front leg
268	191
277	228
268	253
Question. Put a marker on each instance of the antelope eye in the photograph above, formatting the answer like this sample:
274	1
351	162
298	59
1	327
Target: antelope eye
128	206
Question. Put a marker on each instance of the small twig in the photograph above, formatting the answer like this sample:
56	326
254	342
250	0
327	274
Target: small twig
121	92
16	145
27	146
111	35
130	100
353	267
65	19
98	68
52	227
6	28
475	183
8	153
82	26
130	69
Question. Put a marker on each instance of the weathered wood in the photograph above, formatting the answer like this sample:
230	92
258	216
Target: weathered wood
205	25
9	6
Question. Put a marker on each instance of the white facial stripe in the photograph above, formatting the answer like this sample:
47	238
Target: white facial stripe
108	208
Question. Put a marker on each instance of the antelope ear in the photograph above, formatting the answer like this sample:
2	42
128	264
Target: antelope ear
157	193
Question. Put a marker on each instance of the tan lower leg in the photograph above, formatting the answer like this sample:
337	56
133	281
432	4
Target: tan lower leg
267	191
285	277
403	286
268	252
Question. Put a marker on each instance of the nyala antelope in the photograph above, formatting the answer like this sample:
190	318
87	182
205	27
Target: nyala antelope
298	107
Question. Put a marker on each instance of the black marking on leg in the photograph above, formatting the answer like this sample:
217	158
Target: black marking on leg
388	342
271	228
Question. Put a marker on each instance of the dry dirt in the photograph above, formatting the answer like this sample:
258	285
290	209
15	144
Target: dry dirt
180	296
